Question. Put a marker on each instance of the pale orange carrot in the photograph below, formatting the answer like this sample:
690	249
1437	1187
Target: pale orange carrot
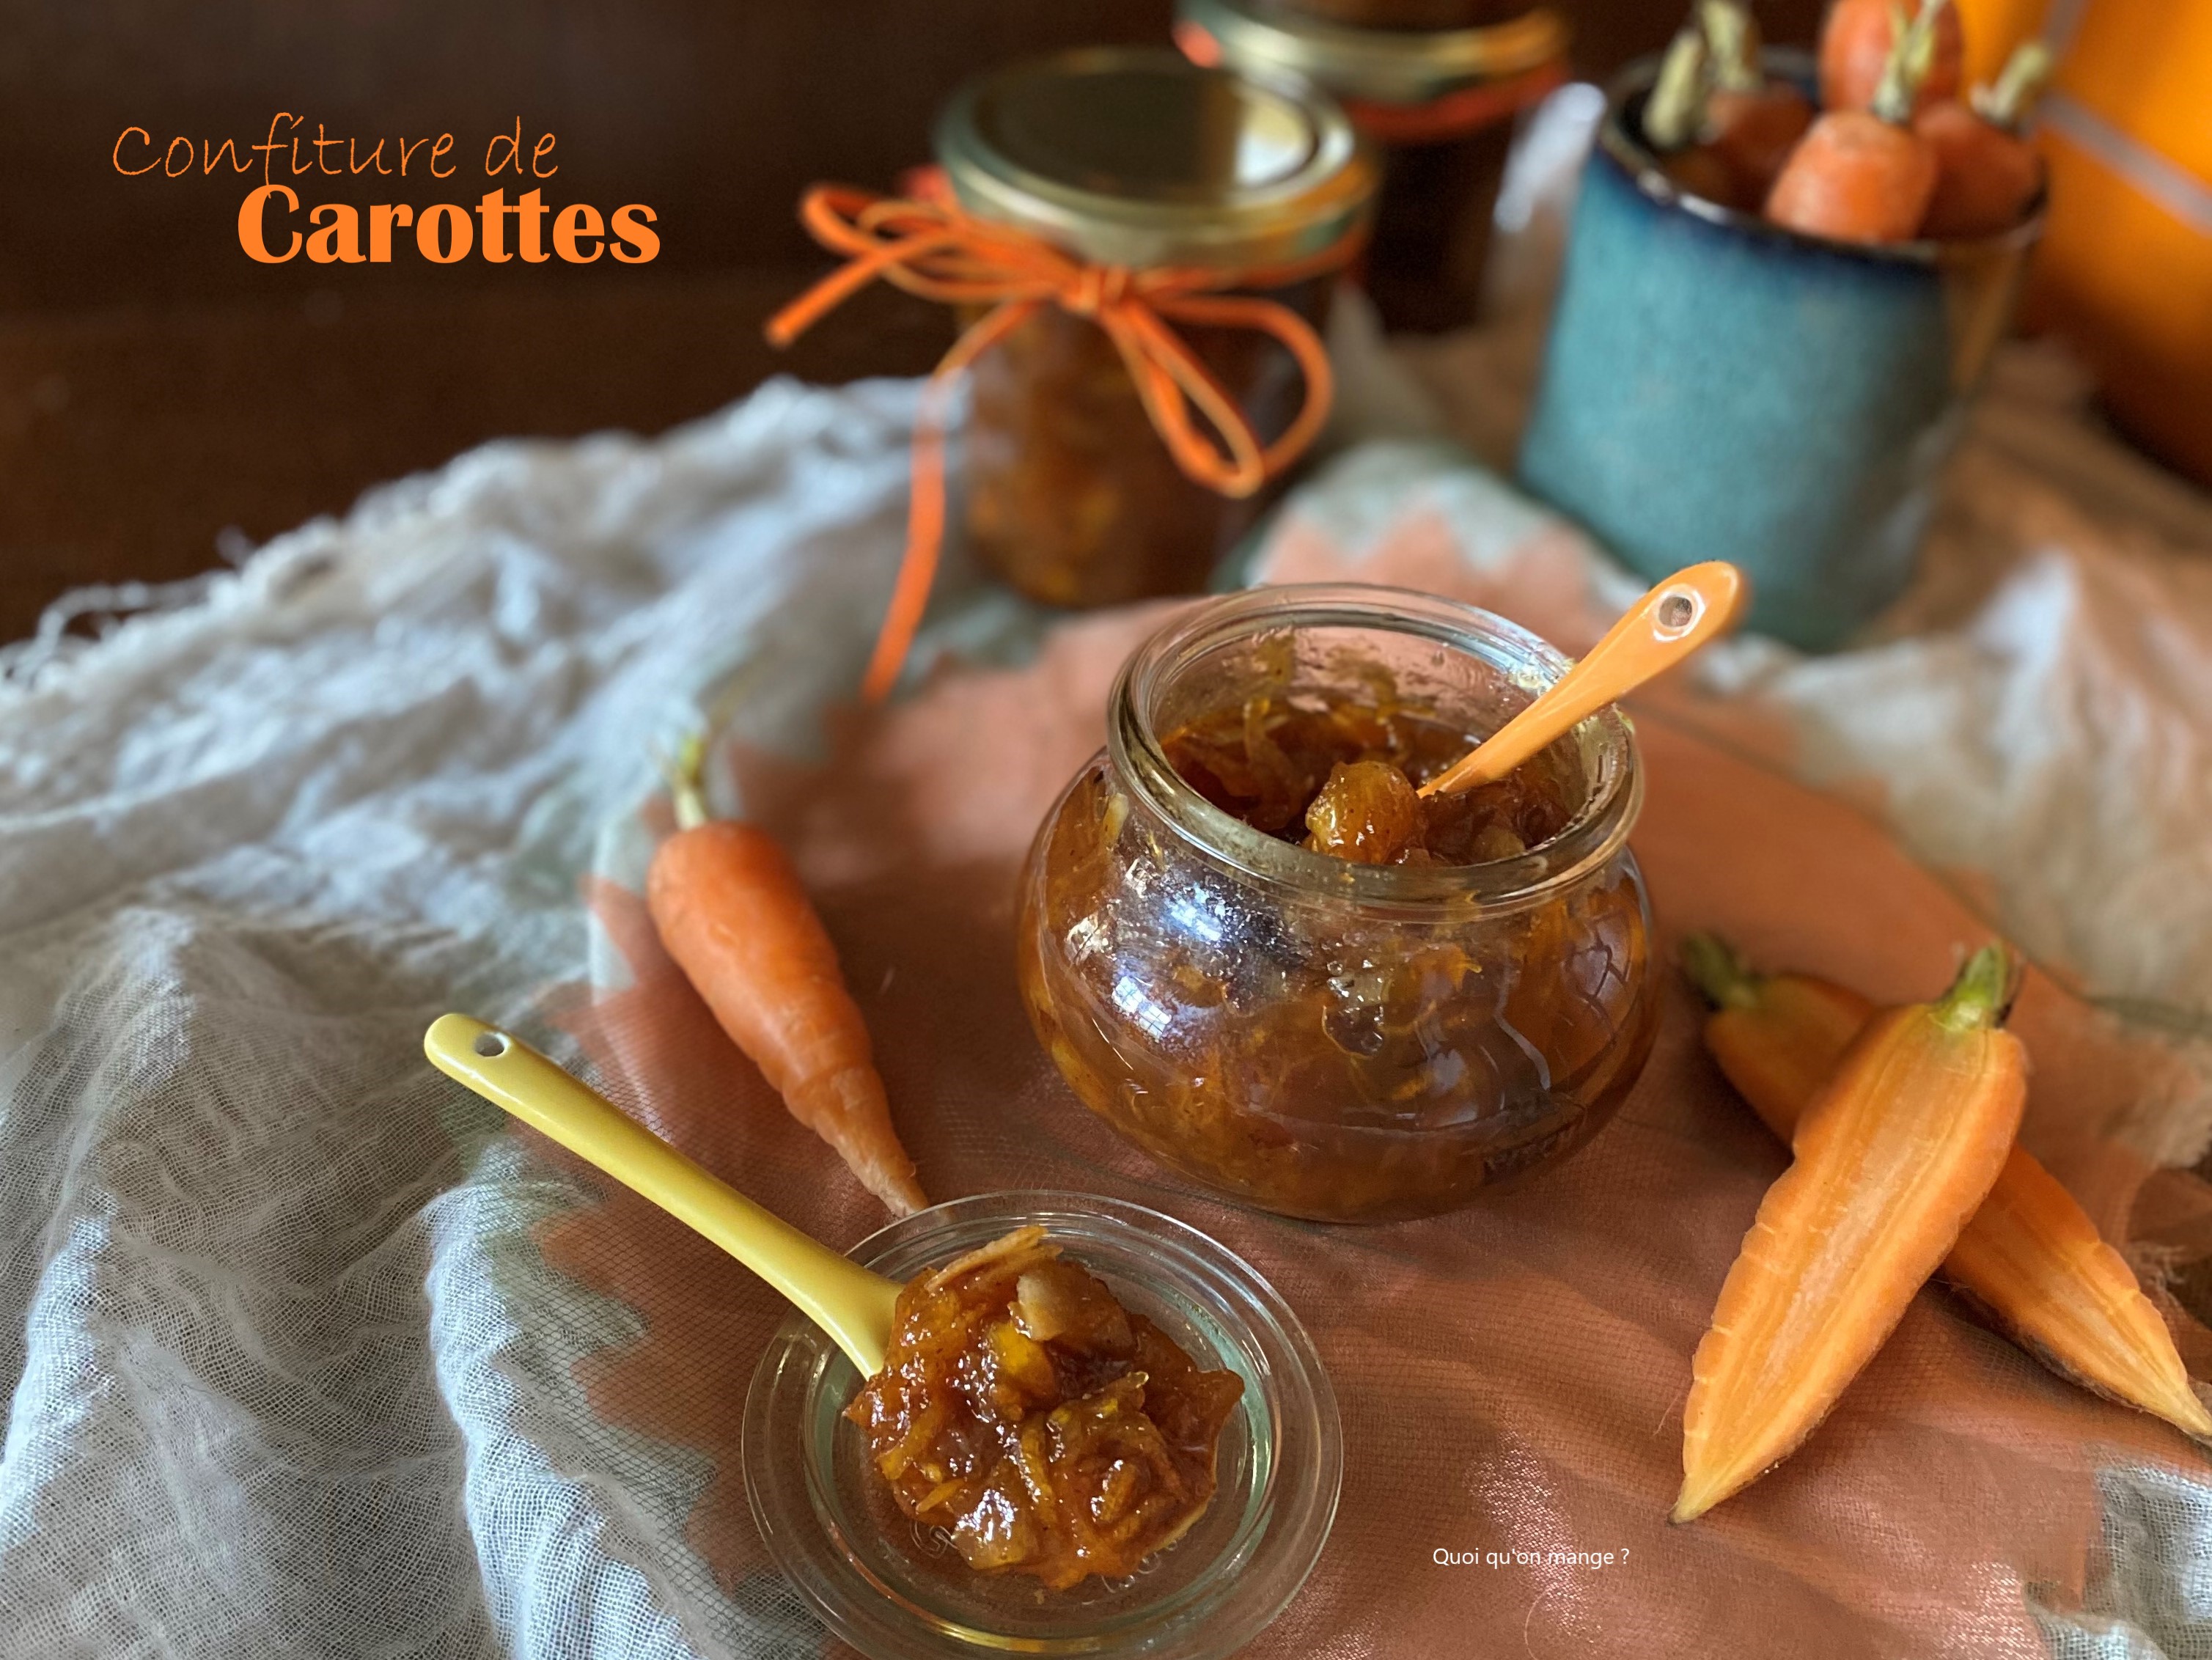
1891	1159
1777	1037
1863	175
1855	42
1858	178
2031	1258
1751	123
730	910
1986	174
1754	130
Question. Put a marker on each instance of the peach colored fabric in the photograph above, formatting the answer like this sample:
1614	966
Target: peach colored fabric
1512	1376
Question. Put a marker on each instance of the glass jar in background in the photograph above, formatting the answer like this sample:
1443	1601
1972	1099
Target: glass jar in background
1341	1042
1137	161
1402	13
1437	102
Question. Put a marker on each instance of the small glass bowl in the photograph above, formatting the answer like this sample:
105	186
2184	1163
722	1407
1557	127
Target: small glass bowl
893	1587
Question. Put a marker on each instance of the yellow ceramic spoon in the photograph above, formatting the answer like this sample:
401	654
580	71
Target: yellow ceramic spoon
1684	612
853	1305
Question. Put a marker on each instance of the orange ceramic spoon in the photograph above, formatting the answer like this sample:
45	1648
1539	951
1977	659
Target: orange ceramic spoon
1665	626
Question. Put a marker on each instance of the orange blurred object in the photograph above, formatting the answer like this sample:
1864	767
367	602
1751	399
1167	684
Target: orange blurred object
1993	29
1855	178
1986	177
2126	270
1855	43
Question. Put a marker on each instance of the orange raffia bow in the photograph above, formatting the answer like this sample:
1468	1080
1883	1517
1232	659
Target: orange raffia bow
932	249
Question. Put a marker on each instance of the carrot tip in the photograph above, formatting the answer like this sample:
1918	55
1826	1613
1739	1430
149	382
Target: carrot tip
2187	1413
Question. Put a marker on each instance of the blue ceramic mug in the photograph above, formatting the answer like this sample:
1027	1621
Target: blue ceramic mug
1717	387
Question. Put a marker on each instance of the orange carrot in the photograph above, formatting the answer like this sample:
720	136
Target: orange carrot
1776	1037
731	911
1891	1157
1856	43
2031	1258
1863	175
1702	171
1855	178
1751	123
1754	130
1986	174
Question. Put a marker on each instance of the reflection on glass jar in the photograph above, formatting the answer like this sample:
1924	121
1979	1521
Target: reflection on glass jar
1343	1042
1148	167
1435	86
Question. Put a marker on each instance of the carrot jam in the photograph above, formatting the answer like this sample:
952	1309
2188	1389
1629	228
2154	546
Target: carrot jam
1340	777
1046	1428
1072	494
1300	1047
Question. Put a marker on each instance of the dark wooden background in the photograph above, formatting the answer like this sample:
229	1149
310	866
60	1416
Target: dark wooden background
162	396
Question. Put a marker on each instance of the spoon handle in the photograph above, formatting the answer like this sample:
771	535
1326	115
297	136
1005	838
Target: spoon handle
1666	625
850	1304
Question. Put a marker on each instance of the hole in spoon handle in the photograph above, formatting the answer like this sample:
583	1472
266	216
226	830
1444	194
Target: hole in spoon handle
1666	625
1677	612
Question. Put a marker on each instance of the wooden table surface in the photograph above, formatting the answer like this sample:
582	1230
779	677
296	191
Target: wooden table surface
166	402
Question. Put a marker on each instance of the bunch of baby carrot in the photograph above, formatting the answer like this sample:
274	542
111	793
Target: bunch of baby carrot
1901	1123
1892	154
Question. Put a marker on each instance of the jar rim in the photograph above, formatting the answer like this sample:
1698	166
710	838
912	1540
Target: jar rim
1382	65
1598	829
1073	148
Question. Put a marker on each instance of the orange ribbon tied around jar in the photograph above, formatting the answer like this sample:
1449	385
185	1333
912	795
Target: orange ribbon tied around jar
934	249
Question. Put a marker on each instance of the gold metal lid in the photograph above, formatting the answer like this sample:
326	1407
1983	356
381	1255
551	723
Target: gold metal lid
1382	66
1140	158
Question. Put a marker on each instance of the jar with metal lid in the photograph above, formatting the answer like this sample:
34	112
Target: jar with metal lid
1437	103
1197	193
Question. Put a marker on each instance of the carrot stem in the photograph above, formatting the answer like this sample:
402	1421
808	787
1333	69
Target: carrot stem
1717	969
2019	84
1731	45
1676	108
1982	993
1911	58
685	773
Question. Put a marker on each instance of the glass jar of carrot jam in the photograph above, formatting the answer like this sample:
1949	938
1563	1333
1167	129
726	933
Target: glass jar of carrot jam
1435	87
1330	1038
1138	161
